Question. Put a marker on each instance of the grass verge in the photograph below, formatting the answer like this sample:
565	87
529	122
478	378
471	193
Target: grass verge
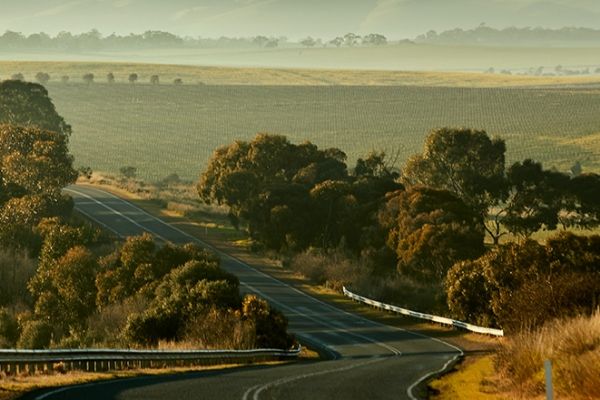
475	378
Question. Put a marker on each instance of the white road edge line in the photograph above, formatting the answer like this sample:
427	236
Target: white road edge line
282	381
117	212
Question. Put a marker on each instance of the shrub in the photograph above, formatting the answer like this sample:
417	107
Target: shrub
16	269
151	326
105	327
35	335
527	284
9	329
220	329
270	324
183	294
128	172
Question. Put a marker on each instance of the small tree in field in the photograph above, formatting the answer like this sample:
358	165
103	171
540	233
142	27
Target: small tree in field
42	77
17	77
154	79
88	78
178	81
110	77
64	79
133	78
128	172
308	42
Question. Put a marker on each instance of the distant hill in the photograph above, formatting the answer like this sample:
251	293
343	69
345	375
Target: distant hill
483	35
296	19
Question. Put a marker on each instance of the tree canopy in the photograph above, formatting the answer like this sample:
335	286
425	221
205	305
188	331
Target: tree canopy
292	196
430	230
465	162
34	166
28	104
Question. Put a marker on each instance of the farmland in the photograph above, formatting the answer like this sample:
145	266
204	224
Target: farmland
167	128
399	56
281	76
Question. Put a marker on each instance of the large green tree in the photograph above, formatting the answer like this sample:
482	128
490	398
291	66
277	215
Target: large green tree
465	162
292	196
34	166
28	104
266	184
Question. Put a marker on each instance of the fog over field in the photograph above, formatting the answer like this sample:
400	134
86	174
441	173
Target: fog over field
292	18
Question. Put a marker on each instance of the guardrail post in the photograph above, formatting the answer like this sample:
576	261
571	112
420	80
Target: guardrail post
549	386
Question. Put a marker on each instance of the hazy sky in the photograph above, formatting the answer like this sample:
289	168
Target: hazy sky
292	18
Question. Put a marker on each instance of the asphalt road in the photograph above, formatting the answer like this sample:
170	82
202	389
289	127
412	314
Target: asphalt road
368	360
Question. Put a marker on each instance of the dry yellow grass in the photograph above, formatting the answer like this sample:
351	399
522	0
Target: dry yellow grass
474	379
278	76
573	346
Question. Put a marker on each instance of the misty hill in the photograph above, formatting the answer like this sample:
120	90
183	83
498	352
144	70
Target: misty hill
296	19
484	35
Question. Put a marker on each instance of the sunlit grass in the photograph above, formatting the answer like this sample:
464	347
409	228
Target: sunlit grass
472	380
275	76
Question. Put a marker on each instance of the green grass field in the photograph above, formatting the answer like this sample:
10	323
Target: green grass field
165	129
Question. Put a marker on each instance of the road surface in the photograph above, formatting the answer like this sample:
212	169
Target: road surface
368	360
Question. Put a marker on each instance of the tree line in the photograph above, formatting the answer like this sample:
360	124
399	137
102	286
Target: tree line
89	78
423	223
94	41
512	36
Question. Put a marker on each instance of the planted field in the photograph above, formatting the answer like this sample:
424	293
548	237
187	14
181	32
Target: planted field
167	128
214	75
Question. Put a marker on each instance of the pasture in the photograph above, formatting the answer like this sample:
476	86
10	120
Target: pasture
213	75
173	129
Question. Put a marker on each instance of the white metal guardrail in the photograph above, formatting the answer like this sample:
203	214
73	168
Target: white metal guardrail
429	317
94	360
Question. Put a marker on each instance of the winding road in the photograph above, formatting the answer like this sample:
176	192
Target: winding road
368	360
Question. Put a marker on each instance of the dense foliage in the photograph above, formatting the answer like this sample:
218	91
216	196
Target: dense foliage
292	196
430	230
28	104
526	284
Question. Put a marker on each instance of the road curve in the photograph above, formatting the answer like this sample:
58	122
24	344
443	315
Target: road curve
368	360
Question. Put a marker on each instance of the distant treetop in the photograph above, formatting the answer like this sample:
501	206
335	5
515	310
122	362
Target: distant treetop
26	104
514	36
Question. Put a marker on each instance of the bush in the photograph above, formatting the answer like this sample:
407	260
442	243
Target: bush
270	324
151	326
106	327
220	329
9	329
527	284
35	335
183	294
333	268
128	172
16	269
